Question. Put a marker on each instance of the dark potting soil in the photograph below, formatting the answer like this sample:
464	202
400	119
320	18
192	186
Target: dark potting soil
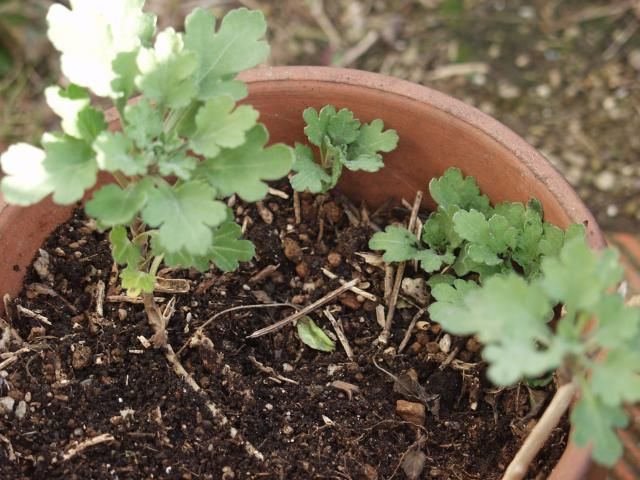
91	399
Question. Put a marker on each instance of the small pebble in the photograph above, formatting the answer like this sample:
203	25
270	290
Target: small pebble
287	367
445	343
122	314
334	259
302	270
605	181
292	249
6	405
21	410
349	300
287	430
411	412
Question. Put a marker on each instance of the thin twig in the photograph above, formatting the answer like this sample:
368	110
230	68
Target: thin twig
278	193
323	21
380	315
410	328
296	207
356	290
11	456
561	401
305	311
212	318
270	371
386	332
128	299
90	442
30	313
340	333
171	285
212	407
389	274
100	298
354	53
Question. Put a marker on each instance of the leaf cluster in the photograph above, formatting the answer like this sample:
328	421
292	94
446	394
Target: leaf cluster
188	104
342	141
511	317
468	235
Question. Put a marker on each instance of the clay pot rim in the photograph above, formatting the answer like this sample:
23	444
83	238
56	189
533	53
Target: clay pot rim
534	161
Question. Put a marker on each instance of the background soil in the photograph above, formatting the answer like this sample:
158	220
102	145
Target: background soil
564	74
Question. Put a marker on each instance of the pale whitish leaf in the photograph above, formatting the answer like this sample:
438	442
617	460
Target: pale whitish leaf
71	166
313	336
242	170
114	152
112	205
166	71
123	250
236	46
398	243
26	181
310	176
92	34
595	423
219	126
72	105
184	215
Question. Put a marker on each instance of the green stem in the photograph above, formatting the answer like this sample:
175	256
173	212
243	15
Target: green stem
156	264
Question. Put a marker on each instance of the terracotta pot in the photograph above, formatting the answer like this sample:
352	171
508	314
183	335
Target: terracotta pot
435	131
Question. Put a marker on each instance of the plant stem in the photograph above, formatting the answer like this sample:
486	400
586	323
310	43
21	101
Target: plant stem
561	401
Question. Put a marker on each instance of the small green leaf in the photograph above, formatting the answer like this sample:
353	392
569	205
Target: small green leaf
78	119
236	46
313	336
398	243
26	181
114	152
143	123
242	170
616	379
317	123
123	250
439	230
431	261
166	71
366	162
184	214
179	164
218	127
111	205
372	140
579	275
70	165
594	423
616	322
228	249
310	176
343	128
136	282
454	189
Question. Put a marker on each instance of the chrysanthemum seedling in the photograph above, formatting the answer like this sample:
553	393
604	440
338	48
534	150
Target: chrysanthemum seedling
343	141
188	104
507	270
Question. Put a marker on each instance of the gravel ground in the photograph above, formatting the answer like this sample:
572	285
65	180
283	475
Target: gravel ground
564	74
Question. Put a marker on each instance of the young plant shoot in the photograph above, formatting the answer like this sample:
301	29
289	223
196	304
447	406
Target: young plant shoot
188	103
343	141
509	269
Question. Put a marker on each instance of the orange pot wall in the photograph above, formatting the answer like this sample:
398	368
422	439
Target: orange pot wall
435	131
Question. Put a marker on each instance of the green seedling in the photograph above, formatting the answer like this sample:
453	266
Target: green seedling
165	204
343	141
506	272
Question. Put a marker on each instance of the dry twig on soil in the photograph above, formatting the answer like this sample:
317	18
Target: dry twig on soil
340	333
305	311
